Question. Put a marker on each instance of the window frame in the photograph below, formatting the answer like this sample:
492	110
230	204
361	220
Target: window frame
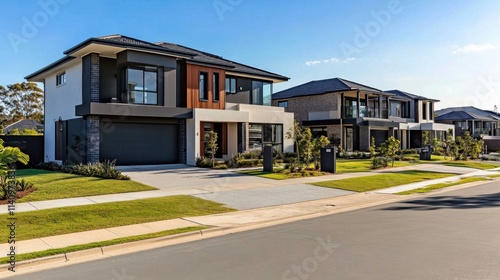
144	91
215	87
205	86
283	102
229	82
61	79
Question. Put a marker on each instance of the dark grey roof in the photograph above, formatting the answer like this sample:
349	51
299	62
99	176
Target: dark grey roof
24	124
465	113
324	86
405	94
204	57
191	55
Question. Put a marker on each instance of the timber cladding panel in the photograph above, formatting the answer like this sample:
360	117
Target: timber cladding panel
193	96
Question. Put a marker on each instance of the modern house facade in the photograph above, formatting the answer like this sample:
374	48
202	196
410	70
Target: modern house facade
477	121
355	113
116	97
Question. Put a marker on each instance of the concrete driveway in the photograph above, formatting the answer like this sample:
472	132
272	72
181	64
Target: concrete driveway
235	190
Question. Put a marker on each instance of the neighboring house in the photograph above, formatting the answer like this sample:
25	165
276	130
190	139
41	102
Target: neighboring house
24	124
478	122
355	113
116	97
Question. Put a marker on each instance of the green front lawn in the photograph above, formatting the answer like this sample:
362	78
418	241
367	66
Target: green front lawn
50	222
56	185
363	165
282	174
382	181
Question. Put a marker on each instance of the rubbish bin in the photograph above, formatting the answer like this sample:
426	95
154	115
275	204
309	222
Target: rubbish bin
268	158
425	154
328	159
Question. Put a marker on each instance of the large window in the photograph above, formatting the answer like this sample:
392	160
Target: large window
431	111
261	93
215	84
424	110
142	85
230	85
398	109
203	86
262	134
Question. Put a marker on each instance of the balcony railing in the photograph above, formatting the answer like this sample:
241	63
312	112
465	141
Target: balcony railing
364	112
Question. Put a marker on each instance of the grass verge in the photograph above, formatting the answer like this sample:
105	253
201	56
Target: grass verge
69	249
57	221
57	185
472	164
443	185
382	181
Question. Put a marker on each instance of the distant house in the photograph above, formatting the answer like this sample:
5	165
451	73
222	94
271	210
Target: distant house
477	121
24	124
355	113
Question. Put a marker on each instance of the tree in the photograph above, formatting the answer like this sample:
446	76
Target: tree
21	101
302	137
426	141
319	143
372	147
448	143
390	148
211	143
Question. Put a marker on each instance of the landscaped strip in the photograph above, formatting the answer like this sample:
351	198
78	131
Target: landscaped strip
57	221
69	249
450	184
56	185
382	181
472	164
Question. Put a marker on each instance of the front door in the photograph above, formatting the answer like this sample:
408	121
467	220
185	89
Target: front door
349	139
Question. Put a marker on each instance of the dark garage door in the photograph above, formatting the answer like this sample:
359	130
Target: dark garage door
380	136
131	143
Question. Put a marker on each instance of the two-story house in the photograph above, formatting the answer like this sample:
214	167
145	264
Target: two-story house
116	97
355	113
477	121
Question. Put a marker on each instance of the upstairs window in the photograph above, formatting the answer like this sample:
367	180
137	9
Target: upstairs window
283	104
142	85
215	84
424	110
61	79
431	111
261	93
203	86
230	85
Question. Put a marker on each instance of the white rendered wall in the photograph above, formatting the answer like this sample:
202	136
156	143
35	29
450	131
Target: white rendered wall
60	101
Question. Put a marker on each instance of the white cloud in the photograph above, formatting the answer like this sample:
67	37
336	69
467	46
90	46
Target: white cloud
472	48
332	60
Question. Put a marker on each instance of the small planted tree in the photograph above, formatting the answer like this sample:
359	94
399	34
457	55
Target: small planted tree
211	145
426	141
449	142
302	138
390	148
372	148
319	143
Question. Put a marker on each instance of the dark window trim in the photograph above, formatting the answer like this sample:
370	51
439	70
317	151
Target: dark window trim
215	86
205	85
229	85
61	79
143	69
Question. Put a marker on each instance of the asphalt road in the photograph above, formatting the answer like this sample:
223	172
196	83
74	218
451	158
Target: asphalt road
454	235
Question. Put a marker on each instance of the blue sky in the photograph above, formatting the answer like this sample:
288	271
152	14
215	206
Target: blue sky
448	50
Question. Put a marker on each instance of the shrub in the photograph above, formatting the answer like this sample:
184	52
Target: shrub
204	162
20	186
409	151
220	166
105	169
379	162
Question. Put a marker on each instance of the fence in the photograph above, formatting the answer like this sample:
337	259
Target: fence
31	145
